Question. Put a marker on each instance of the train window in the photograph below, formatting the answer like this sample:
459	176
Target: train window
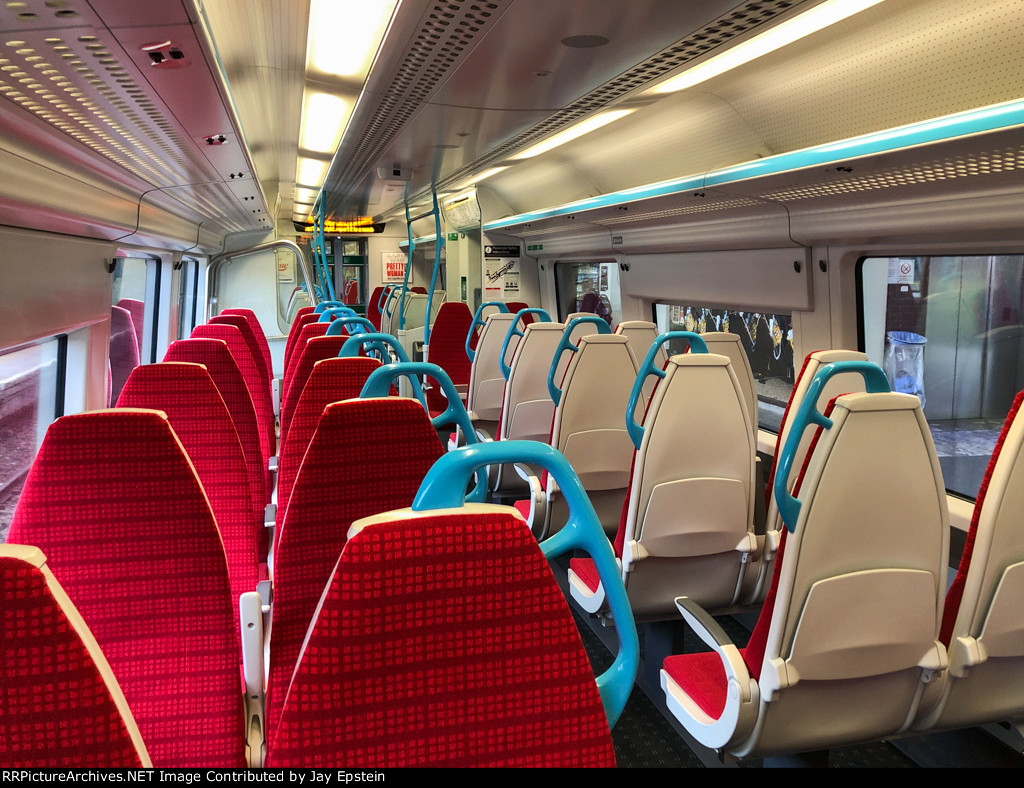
589	287
948	329
188	296
766	338
29	402
351	288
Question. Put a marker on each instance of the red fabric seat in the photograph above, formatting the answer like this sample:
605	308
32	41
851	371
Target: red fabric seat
443	640
60	706
137	309
257	330
115	504
448	349
245	328
196	411
257	385
306	333
214	355
366	456
372	307
293	335
124	350
316	349
331	380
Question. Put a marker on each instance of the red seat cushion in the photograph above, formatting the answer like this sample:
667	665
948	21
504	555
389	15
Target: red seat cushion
448	349
585	570
257	330
315	349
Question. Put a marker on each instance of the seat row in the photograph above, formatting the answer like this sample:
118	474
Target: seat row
169	537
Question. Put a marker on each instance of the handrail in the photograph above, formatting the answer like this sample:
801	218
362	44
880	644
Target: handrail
224	257
348	323
502	307
320	246
438	246
648	368
408	266
506	369
444	487
875	382
565	344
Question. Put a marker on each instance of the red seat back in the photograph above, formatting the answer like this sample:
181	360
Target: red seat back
115	504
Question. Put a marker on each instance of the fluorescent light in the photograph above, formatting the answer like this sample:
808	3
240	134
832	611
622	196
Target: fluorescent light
311	172
818	18
571	133
323	120
477	178
344	35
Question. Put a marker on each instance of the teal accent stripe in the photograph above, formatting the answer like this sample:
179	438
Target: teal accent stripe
978	121
423	239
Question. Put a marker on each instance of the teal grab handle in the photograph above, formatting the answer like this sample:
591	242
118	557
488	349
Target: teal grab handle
442	489
648	368
384	295
318	310
392	296
875	382
332	312
514	330
566	344
478	321
378	385
373	341
350	323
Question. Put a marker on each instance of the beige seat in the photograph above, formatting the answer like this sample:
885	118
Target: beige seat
486	383
641	335
728	345
851	624
688	525
527	407
983	623
590	430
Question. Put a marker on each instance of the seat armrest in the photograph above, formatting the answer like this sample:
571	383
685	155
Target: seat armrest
275	396
250	609
538	501
742	696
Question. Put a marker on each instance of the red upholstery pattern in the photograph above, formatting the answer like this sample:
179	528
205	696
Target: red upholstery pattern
366	456
372	309
258	386
300	322
137	309
213	354
115	505
443	641
196	412
316	349
332	380
306	333
956	589
448	349
55	708
585	570
124	350
242	324
257	330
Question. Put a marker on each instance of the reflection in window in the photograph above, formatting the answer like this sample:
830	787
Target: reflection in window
766	339
948	329
589	287
28	404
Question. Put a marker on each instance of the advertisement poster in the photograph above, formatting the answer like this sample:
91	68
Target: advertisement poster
393	268
501	273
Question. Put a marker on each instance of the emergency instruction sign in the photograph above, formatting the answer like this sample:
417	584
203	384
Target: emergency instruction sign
501	272
393	267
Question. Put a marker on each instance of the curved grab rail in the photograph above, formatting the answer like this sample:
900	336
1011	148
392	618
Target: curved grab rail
327	305
506	369
478	322
443	488
332	312
393	296
379	382
566	344
648	368
875	382
439	244
348	323
373	341
382	298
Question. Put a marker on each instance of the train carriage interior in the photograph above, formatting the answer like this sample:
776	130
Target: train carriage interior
782	528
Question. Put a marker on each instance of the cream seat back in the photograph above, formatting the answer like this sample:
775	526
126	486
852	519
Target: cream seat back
486	383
